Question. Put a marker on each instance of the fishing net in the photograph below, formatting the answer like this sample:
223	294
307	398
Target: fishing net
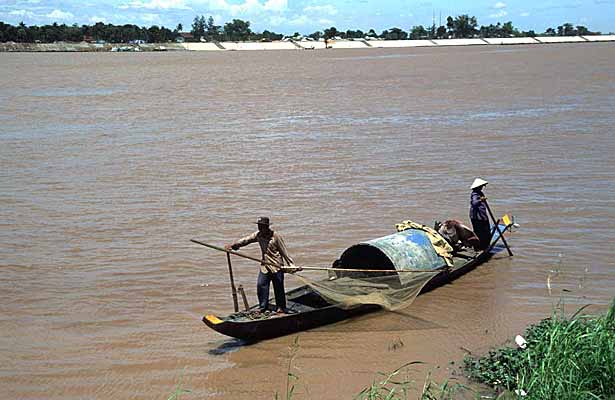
387	291
400	266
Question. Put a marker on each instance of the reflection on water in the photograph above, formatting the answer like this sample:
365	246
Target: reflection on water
71	92
111	165
228	346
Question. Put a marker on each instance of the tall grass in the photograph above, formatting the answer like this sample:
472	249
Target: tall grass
392	388
291	377
565	358
179	390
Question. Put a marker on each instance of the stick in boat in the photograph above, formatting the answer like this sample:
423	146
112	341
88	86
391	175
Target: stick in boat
243	296
498	228
492	245
211	246
233	289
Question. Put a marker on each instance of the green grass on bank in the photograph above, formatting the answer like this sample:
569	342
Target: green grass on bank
565	358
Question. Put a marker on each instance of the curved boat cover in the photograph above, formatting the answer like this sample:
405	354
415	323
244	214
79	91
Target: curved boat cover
409	250
408	260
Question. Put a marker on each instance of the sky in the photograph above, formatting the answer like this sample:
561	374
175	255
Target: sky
307	16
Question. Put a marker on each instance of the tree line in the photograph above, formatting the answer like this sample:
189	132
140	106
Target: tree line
75	33
235	31
461	26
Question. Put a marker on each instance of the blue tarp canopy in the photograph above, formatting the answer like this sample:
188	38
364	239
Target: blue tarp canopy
407	250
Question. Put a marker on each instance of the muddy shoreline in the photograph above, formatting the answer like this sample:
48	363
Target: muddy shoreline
84	47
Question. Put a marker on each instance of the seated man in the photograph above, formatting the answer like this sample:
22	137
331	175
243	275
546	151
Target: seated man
458	235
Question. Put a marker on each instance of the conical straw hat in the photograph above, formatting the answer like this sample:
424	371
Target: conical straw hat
478	183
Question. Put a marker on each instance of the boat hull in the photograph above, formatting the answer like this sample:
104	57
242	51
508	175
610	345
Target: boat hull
284	324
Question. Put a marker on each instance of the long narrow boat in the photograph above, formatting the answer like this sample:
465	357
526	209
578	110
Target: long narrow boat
309	309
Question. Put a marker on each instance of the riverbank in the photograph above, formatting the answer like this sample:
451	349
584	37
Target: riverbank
559	358
60	47
294	45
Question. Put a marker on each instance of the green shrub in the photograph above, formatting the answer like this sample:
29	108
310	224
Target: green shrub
565	358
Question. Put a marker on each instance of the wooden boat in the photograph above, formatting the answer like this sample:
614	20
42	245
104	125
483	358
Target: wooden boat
308	309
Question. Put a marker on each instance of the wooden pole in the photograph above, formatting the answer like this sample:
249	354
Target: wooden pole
498	228
492	245
243	296
211	246
233	290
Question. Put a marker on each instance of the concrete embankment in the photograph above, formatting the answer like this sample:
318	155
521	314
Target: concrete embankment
296	45
365	44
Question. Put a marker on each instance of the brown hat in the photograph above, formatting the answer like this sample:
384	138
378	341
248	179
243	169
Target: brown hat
262	221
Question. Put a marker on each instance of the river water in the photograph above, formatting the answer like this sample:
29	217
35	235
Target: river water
111	163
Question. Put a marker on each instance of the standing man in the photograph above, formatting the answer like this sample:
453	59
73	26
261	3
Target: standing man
274	253
478	213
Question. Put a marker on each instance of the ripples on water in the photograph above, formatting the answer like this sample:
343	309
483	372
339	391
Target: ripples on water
112	162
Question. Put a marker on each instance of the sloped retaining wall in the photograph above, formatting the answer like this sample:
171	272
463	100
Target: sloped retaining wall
295	45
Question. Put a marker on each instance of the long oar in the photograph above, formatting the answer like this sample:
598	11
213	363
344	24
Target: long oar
498	228
211	246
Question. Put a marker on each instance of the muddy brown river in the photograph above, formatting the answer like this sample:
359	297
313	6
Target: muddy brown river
111	163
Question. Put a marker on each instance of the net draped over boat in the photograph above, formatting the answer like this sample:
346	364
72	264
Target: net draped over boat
385	291
408	260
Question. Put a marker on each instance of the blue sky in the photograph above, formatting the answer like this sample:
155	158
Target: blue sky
306	16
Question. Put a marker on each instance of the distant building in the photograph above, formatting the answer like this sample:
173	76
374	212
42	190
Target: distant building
185	37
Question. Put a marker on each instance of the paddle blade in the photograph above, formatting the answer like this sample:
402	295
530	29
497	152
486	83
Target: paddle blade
507	220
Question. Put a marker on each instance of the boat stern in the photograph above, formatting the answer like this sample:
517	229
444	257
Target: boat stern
212	320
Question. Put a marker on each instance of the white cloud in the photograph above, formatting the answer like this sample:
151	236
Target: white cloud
499	5
150	18
499	14
249	7
59	14
326	9
277	20
276	5
94	19
218	4
23	13
524	14
157	5
301	20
